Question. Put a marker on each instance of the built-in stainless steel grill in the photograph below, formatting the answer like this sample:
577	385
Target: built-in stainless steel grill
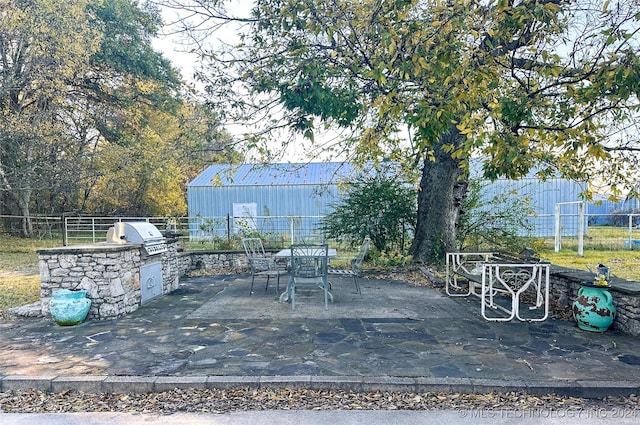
141	232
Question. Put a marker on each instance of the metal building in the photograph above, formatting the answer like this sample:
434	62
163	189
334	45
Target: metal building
267	198
543	197
273	198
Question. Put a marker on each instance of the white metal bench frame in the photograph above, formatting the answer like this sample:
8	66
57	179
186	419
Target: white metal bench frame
487	274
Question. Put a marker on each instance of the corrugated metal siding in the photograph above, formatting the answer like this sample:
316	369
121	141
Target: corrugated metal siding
543	198
543	195
310	189
270	200
278	191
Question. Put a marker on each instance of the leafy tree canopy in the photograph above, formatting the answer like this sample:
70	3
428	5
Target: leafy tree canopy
497	222
91	117
550	84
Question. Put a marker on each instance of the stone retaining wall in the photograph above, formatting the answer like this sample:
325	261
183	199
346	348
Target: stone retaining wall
565	284
210	260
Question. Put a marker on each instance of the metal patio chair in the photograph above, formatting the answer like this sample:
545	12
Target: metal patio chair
309	264
356	265
260	264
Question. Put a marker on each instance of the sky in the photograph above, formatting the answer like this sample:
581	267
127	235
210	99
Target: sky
170	45
186	63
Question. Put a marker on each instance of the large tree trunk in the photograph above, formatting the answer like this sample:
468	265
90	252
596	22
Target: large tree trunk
443	187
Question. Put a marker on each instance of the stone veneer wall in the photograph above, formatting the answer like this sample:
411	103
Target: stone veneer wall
211	260
171	272
109	272
565	283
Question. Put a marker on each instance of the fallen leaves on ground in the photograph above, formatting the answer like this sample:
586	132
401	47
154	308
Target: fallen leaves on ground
241	399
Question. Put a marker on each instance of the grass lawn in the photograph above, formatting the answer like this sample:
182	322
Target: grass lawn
19	276
622	264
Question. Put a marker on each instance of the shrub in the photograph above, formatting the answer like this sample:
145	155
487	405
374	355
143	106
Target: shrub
498	222
381	206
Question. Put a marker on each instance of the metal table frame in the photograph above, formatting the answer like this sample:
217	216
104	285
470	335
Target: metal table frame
513	280
286	254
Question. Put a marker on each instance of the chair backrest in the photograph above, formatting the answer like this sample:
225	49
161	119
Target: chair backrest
356	263
254	249
309	260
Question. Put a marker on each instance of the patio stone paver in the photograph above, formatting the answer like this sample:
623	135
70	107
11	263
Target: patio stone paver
393	332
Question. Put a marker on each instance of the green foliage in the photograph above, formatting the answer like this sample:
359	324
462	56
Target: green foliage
550	85
44	49
381	206
500	222
148	175
126	46
92	118
311	96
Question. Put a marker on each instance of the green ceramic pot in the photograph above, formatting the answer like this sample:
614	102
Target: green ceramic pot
593	309
69	307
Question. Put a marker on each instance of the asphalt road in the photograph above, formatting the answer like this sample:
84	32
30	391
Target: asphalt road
304	417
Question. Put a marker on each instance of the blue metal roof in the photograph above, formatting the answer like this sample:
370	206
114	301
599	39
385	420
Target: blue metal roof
284	174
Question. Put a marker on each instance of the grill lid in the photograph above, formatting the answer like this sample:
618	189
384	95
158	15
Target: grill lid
139	232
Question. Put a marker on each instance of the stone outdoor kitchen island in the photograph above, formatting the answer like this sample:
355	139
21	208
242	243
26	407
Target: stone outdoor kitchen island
115	276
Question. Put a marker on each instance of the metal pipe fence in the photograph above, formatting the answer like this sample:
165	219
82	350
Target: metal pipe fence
84	229
606	232
44	227
228	231
602	231
199	233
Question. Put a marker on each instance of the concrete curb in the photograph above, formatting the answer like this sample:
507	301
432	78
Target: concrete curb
150	384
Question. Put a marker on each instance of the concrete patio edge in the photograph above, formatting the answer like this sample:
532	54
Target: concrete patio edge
150	384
